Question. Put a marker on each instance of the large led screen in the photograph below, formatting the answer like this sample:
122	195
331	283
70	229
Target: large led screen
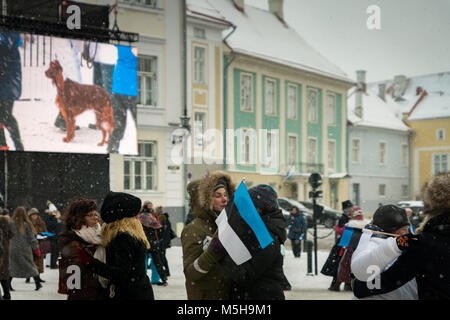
66	95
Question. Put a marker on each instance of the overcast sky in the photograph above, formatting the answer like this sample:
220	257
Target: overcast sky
413	39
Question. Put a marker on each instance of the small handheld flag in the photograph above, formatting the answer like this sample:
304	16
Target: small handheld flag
240	228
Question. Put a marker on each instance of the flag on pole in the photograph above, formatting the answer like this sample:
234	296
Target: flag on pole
240	228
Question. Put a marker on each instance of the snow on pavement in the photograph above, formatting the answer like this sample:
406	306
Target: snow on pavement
304	287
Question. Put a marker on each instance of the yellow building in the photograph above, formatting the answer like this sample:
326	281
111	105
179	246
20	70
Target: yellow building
430	120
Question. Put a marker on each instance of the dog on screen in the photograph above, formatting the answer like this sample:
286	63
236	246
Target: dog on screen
73	98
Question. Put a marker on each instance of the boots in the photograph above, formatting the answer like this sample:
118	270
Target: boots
37	281
5	287
9	284
39	277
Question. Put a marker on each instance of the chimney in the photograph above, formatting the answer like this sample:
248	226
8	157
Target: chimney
382	91
239	4
418	90
360	89
276	7
400	84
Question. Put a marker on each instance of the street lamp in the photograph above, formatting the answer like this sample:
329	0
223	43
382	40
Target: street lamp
315	181
184	122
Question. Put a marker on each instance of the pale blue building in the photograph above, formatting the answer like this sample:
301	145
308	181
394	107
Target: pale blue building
378	149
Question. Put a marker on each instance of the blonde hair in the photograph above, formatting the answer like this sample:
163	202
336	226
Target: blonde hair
130	225
20	217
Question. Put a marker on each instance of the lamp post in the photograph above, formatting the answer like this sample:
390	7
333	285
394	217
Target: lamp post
185	125
315	181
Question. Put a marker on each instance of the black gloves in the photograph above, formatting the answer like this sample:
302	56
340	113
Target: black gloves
407	241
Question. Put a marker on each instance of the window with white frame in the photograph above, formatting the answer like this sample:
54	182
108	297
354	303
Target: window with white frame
199	64
332	155
246	92
292	152
382	190
147	3
440	134
312	151
199	128
405	155
247	136
331	109
270	97
356	151
147	81
312	105
292	102
440	162
140	172
382	153
269	144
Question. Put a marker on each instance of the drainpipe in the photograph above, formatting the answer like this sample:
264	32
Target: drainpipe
225	96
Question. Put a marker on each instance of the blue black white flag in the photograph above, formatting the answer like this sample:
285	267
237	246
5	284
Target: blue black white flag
240	227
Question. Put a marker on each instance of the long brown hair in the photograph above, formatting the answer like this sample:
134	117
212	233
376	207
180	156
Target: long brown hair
20	217
74	216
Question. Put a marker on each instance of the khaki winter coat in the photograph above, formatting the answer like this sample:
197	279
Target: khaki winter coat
204	281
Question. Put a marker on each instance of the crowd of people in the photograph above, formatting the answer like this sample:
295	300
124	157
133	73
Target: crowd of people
80	237
111	247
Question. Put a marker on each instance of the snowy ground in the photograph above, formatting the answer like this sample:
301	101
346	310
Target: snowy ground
304	287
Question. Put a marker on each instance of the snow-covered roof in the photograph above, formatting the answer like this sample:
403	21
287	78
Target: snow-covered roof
376	113
261	34
203	10
434	105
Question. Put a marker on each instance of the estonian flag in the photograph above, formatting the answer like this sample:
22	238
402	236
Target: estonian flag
240	228
355	238
350	237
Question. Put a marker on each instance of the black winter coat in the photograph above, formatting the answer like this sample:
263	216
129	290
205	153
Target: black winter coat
262	277
125	268
428	262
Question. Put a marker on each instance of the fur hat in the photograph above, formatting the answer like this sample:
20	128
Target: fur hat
435	194
390	218
119	205
207	185
264	197
32	211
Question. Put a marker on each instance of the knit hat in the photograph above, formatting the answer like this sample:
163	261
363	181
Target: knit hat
264	197
119	205
222	183
52	208
390	218
346	205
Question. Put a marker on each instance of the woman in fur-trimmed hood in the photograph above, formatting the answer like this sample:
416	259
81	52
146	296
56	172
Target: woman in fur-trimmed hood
427	255
126	247
205	278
